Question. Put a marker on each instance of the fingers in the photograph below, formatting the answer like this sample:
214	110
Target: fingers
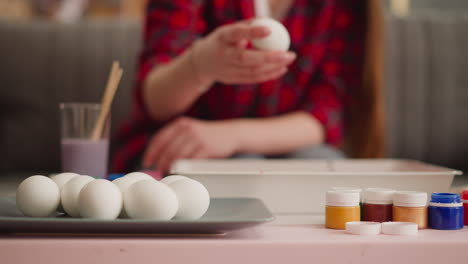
233	33
160	141
251	72
245	57
242	44
260	73
241	78
200	154
271	75
168	150
184	148
175	141
254	66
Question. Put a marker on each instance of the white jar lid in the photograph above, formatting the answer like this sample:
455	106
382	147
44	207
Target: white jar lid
363	228
346	189
378	195
410	199
339	198
400	228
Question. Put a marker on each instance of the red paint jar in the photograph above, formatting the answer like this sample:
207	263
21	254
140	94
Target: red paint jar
378	205
465	205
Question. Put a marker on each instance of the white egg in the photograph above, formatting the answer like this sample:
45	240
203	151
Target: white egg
150	199
172	178
37	196
139	176
100	199
70	192
60	179
123	183
278	39
193	198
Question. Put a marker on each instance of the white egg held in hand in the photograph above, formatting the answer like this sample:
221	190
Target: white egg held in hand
37	196
150	199
278	39
100	199
60	179
193	198
172	178
70	192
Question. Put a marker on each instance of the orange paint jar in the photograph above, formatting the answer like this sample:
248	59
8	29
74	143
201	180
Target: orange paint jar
410	207
341	207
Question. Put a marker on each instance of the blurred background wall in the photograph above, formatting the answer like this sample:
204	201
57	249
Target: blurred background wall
71	10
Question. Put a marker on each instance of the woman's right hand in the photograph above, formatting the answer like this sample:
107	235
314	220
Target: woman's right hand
222	56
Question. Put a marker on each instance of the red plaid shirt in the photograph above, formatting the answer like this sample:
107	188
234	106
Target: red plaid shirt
327	35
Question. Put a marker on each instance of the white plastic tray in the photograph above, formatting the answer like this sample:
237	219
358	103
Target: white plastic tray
294	190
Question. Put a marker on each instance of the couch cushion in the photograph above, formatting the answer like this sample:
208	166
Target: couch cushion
44	64
426	88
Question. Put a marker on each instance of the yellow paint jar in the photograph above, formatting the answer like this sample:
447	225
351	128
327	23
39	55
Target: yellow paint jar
410	206
341	207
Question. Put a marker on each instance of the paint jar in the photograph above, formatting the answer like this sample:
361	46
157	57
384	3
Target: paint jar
465	205
445	211
351	189
409	206
378	205
341	207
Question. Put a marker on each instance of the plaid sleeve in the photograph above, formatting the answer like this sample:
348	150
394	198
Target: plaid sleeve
339	72
170	27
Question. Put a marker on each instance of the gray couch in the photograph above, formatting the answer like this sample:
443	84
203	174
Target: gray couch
427	88
42	64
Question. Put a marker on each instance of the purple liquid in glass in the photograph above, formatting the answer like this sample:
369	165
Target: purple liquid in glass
85	156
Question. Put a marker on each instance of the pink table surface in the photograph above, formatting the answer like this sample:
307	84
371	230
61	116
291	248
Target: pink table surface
264	244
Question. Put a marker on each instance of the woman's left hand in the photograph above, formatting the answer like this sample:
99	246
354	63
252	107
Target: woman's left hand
188	138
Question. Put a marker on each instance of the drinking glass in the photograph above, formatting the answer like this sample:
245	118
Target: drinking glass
80	153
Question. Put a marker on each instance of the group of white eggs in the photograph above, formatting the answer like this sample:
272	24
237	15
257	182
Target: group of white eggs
136	195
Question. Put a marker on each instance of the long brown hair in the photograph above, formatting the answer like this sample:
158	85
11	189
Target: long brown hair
365	123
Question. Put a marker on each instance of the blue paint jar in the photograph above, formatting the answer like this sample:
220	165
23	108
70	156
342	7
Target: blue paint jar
445	211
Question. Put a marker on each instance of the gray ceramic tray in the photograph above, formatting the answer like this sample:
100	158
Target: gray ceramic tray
223	215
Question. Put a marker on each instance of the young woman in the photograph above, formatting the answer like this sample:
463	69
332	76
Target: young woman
203	92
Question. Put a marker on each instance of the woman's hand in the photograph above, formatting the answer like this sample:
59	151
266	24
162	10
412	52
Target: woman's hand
222	56
191	139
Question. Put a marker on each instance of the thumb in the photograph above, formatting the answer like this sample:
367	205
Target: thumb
234	33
